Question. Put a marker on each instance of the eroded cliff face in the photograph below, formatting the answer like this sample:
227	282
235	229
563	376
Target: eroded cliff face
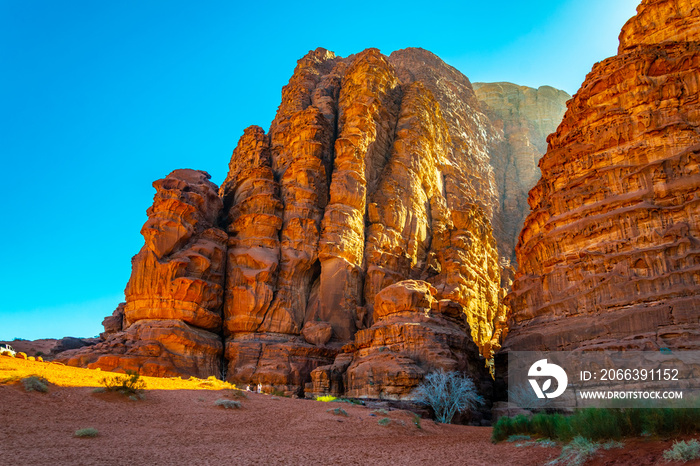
610	254
522	118
373	186
374	171
171	322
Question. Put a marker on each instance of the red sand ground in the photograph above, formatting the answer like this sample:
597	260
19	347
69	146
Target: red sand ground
184	427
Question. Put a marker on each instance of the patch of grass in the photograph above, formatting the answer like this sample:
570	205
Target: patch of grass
416	421
338	412
34	383
87	432
518	438
352	401
380	411
576	453
601	424
611	445
228	404
235	393
384	422
683	451
130	385
326	398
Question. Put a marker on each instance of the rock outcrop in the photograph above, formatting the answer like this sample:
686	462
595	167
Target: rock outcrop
522	117
171	322
413	335
610	254
374	183
375	170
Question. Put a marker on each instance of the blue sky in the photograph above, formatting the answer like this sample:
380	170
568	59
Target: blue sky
99	99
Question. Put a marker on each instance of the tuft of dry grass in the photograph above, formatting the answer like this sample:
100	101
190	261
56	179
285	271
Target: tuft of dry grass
87	432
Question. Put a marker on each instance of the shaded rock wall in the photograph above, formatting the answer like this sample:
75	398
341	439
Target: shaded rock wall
522	117
610	254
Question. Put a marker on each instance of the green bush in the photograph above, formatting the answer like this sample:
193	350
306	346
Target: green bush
34	383
87	432
600	424
228	404
384	422
130	385
683	451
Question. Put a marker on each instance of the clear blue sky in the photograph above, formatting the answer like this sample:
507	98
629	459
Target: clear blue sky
98	99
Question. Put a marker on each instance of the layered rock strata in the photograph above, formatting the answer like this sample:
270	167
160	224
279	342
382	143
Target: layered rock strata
413	335
171	322
610	254
522	118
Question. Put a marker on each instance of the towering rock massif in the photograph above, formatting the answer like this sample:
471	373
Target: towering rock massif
610	254
171	321
373	172
355	240
523	117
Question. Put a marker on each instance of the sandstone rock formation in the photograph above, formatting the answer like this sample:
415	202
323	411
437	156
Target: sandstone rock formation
172	316
413	334
522	118
376	170
610	254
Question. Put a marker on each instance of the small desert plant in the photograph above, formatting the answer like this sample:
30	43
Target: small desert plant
384	422
380	411
611	445
416	421
130	385
338	412
683	451
87	432
326	398
34	383
518	438
576	453
447	393
235	393
228	404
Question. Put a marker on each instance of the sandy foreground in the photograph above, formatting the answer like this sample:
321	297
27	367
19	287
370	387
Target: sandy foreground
184	426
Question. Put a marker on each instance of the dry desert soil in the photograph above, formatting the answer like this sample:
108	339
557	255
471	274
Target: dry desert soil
183	426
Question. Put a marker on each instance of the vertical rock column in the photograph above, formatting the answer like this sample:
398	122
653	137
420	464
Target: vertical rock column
367	116
251	202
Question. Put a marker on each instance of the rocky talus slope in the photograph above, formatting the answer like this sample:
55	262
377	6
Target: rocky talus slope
358	236
610	254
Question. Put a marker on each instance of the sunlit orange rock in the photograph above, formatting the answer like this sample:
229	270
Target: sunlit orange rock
171	322
413	335
610	254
